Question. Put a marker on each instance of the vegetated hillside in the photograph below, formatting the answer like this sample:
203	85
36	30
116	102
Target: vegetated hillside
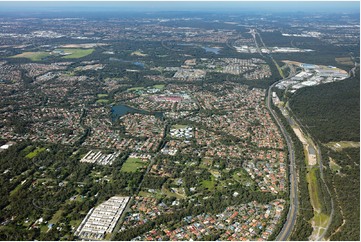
331	111
345	184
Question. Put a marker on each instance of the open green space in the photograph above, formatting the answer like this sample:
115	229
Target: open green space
28	149
209	184
34	56
56	217
321	219
242	177
102	95
102	101
278	68
16	189
179	126
160	86
135	88
34	153
168	193
76	53
132	165
44	228
75	223
157	194
145	194
340	145
313	188
334	166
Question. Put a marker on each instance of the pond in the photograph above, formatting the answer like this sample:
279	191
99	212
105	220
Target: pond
137	63
140	64
121	110
214	50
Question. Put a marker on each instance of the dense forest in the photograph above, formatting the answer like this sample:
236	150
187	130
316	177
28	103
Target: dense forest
331	112
346	193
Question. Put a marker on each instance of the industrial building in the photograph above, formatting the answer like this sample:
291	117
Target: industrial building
102	220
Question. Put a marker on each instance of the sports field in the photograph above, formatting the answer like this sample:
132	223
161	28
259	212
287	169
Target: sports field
132	165
34	56
76	53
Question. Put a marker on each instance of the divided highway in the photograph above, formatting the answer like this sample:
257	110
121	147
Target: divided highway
292	213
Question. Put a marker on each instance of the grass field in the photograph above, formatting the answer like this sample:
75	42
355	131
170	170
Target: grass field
242	177
179	126
160	86
34	153
157	194
34	56
279	69
340	145
334	166
56	217
313	189
28	149
102	95
75	223
135	89
132	165
102	101
319	222
76	53
145	194
321	219
168	193
209	184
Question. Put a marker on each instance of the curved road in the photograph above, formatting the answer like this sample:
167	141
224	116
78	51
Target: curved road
292	213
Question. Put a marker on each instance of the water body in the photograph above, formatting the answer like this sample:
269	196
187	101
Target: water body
214	50
186	44
121	110
140	64
311	150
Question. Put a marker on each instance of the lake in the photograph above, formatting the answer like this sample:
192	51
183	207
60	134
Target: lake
214	50
121	110
140	64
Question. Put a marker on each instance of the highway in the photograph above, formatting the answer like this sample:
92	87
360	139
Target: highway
319	160
292	213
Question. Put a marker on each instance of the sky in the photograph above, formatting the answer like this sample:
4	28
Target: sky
193	6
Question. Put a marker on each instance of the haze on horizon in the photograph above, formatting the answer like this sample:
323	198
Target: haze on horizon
174	6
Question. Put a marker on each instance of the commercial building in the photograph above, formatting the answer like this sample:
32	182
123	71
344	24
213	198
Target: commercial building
102	220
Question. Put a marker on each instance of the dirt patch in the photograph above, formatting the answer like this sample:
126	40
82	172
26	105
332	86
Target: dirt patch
300	135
